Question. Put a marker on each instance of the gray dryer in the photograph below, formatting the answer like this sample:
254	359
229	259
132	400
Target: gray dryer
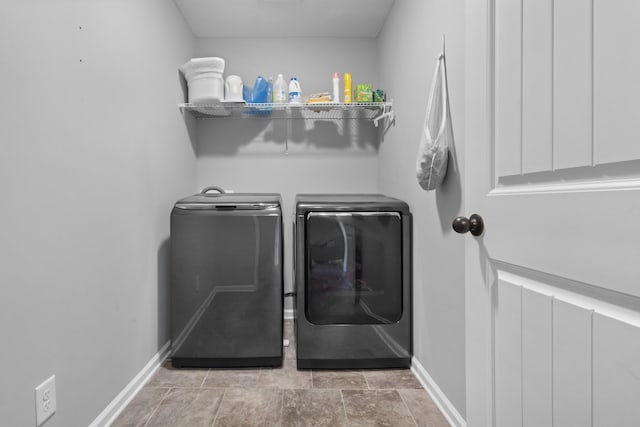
353	281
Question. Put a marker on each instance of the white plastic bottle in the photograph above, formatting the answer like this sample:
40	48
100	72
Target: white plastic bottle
280	90
336	87
295	94
270	90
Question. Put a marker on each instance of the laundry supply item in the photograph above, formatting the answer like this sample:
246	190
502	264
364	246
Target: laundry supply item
379	95
316	98
295	93
364	93
280	90
204	79
233	89
336	87
348	91
259	93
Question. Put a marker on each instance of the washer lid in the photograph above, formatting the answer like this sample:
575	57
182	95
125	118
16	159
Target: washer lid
230	201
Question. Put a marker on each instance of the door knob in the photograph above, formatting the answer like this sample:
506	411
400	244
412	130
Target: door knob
474	224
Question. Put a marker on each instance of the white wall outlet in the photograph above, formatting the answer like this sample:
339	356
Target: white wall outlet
45	400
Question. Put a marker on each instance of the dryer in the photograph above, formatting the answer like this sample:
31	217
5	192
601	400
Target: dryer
353	281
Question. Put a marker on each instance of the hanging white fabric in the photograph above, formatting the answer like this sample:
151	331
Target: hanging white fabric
437	133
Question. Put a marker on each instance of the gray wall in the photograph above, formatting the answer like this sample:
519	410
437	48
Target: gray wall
408	48
93	154
323	156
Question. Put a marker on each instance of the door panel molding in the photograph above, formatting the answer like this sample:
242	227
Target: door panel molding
610	177
615	305
537	86
616	373
572	364
561	358
616	86
506	98
537	360
607	173
577	187
565	84
507	346
572	86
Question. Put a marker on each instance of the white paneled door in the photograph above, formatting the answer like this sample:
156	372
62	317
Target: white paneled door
553	168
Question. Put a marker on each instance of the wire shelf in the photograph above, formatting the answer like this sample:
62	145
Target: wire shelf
316	111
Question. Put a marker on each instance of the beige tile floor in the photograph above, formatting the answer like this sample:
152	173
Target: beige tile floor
281	397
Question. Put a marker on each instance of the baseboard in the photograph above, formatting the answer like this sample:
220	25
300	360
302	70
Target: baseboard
117	405
439	398
111	412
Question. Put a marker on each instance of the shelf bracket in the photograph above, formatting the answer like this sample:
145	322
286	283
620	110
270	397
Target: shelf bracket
384	114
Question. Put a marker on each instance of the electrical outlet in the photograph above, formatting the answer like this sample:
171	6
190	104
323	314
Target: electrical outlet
45	400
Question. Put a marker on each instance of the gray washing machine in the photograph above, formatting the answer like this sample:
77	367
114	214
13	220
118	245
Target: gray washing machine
226	280
353	281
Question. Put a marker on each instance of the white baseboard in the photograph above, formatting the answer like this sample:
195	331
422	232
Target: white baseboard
117	405
111	412
439	398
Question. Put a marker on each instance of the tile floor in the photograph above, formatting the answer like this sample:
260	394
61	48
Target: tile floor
281	397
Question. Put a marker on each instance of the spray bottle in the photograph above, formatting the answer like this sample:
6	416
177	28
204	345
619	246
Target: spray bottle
336	87
348	91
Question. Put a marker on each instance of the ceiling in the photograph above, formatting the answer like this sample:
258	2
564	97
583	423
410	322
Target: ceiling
285	18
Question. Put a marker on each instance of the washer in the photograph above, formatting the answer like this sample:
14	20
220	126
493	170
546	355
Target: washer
226	280
353	281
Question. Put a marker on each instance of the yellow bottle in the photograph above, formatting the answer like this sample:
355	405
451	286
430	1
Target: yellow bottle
348	91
